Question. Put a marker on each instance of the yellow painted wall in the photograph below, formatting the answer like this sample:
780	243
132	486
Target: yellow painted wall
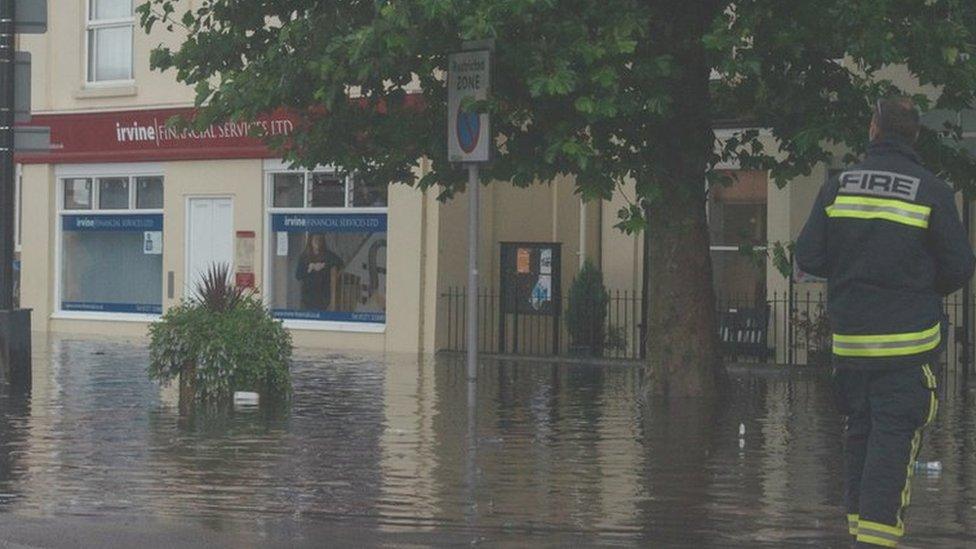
37	251
622	254
59	69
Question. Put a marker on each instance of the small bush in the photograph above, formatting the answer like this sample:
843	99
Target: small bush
224	340
815	331
586	311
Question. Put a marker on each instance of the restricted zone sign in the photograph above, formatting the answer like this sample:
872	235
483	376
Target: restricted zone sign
468	135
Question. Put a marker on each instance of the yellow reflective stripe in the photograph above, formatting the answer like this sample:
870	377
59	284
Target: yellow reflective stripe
884	338
874	540
906	492
852	524
887	216
883	345
883	203
877	527
932	384
898	351
898	211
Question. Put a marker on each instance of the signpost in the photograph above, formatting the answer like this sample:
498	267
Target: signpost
469	143
30	17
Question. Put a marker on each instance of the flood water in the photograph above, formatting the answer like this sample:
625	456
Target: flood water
555	455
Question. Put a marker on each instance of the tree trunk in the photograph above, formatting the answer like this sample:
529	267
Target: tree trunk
682	339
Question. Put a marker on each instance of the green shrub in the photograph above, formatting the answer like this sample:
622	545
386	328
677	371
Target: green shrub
586	311
221	345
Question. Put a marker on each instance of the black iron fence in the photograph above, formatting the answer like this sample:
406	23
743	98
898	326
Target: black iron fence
797	330
616	336
781	329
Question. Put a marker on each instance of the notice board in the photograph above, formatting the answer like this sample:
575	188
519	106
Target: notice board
531	278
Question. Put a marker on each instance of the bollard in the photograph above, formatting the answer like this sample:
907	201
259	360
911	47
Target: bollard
15	350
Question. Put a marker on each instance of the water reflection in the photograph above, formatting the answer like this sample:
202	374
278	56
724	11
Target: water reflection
559	454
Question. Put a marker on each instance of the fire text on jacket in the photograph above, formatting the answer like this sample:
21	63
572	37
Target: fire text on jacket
878	183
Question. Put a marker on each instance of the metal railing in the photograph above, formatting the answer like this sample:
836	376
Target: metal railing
781	329
798	334
618	335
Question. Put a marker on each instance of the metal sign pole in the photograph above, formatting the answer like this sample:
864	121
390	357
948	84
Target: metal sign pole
6	154
473	191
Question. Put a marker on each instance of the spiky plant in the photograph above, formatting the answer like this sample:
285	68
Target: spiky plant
215	292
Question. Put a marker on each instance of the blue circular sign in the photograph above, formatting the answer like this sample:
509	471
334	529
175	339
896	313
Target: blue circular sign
468	130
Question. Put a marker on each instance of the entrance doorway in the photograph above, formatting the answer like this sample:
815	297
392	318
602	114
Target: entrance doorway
210	236
736	217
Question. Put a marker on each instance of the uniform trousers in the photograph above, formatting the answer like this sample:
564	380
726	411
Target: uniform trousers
886	412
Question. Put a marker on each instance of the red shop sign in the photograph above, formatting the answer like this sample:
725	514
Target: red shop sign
138	136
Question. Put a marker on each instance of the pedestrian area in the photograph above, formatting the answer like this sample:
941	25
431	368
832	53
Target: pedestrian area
383	451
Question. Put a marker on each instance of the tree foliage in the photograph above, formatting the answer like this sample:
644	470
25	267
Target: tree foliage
590	88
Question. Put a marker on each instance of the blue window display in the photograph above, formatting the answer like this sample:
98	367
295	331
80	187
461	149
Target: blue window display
112	262
329	267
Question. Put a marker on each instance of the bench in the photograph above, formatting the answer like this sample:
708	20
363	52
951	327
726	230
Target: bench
742	331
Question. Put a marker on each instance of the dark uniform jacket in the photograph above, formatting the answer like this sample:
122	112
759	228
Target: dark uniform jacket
886	235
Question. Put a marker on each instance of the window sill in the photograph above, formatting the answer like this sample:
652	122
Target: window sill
107	317
327	326
96	91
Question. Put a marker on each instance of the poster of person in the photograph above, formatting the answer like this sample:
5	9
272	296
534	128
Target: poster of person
329	267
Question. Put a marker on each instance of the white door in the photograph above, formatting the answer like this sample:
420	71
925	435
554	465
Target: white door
210	230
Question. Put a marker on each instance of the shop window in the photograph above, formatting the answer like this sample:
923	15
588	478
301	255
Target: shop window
288	189
109	31
737	217
111	255
369	195
113	193
327	190
149	193
77	194
327	253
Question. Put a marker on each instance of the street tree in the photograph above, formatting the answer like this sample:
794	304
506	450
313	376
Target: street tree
606	91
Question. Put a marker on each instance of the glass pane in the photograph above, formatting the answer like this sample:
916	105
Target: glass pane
369	195
91	56
149	193
336	276
111	9
111	270
288	189
327	190
77	194
112	53
736	224
740	280
113	193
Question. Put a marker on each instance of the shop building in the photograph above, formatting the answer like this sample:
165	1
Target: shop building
123	215
119	219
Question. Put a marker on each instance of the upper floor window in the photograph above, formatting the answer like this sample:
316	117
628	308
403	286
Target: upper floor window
110	24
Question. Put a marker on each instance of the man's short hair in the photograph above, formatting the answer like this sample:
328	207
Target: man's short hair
897	117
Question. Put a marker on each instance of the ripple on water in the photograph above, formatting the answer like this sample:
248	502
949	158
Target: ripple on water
385	442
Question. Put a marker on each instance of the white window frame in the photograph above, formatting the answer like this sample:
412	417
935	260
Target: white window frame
272	168
94	172
97	24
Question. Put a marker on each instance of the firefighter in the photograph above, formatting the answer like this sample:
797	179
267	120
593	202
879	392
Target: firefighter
886	235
